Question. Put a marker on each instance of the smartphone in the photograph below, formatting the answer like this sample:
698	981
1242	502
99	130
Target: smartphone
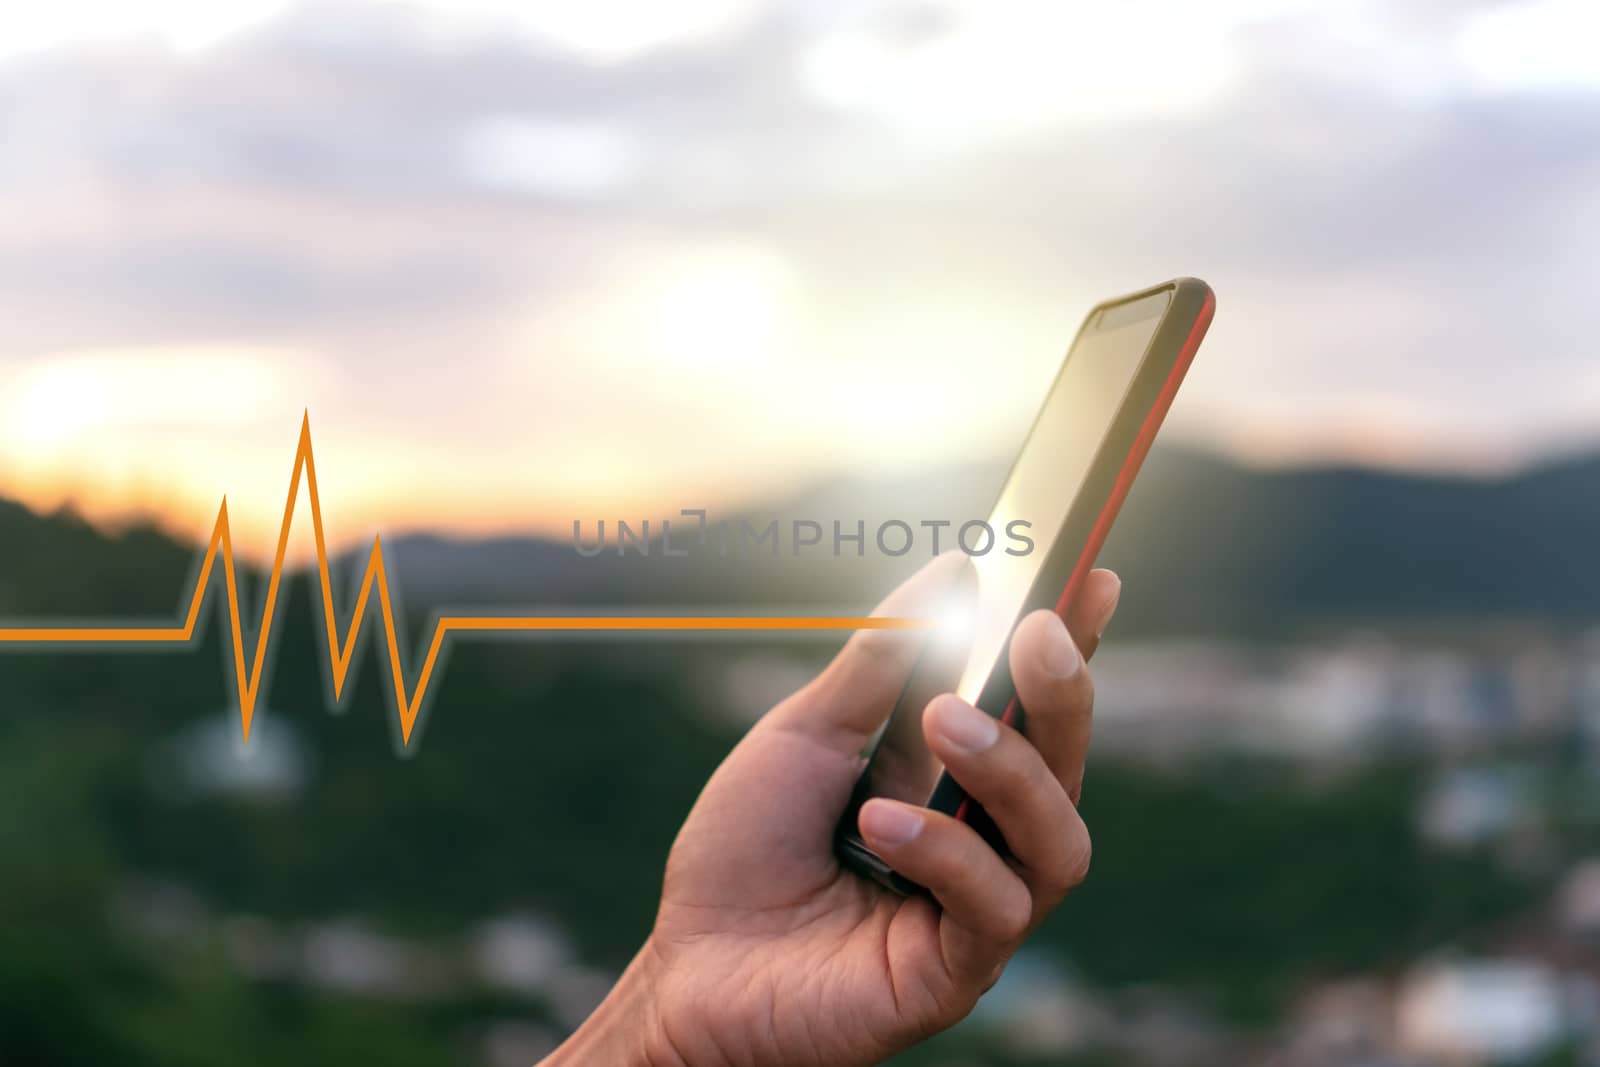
1075	468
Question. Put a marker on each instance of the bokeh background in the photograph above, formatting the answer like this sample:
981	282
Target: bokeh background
527	263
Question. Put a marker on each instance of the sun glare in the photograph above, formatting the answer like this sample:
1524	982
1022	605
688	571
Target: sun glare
55	403
723	307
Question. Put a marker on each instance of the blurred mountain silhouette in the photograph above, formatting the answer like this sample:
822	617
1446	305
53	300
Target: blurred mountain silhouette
1205	545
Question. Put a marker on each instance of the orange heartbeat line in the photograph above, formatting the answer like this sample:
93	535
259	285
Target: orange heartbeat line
408	708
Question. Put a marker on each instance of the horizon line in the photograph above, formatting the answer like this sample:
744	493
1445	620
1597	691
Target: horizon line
248	680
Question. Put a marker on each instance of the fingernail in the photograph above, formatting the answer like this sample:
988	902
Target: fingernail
890	824
1061	656
1110	610
964	726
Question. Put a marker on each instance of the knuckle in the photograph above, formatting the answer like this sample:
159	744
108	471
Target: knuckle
1014	915
1075	861
1022	789
1036	777
1080	690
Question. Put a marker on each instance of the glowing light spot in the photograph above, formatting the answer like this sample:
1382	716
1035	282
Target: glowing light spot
955	623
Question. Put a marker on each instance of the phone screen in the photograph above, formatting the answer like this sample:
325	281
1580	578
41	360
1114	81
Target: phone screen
991	592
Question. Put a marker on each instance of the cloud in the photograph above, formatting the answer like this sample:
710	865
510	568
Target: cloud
564	158
1532	46
431	200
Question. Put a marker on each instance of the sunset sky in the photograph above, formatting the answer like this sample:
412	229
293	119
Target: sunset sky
525	262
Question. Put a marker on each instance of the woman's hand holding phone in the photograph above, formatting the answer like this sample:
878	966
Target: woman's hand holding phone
767	951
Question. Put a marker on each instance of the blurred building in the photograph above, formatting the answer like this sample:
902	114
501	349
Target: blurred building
1482	1011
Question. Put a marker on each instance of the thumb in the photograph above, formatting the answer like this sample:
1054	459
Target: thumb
852	696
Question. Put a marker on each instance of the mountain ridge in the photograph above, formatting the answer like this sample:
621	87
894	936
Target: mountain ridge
1204	545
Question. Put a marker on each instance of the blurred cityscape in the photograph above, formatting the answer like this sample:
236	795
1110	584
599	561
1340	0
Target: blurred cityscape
1501	737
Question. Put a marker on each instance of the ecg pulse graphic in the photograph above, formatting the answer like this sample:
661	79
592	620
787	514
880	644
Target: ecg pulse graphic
249	678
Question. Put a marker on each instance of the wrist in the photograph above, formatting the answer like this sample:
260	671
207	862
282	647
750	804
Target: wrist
626	1029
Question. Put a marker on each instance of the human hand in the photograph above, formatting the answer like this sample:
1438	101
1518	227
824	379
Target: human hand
766	951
